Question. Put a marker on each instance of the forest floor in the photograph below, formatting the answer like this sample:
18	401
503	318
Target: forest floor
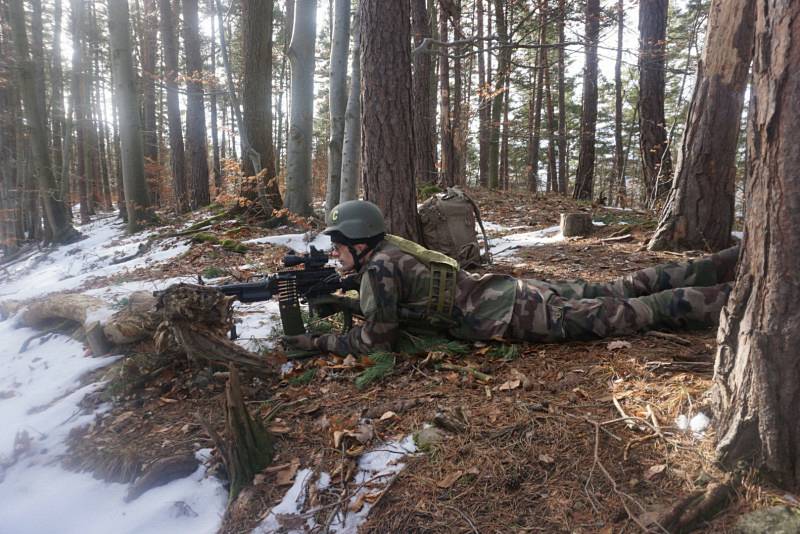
570	437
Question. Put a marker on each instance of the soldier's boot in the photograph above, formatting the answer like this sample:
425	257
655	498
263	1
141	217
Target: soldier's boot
687	307
725	263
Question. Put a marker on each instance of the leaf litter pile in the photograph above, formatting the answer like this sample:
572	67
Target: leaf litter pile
572	437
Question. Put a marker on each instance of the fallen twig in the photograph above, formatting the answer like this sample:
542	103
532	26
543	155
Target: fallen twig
670	337
464	369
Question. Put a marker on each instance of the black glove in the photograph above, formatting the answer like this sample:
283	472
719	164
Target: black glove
302	341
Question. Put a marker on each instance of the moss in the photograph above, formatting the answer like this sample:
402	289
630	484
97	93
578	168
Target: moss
233	246
214	272
303	378
204	237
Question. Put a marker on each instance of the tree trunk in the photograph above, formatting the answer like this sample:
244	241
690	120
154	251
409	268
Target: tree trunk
584	177
756	375
216	170
337	101
9	203
483	102
552	176
533	149
57	99
424	137
497	97
150	139
137	202
562	105
55	210
301	55
700	211
446	155
652	130
177	156
386	92
199	194
617	193
351	149
256	127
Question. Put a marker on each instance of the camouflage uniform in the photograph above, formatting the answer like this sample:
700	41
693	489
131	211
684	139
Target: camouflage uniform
394	295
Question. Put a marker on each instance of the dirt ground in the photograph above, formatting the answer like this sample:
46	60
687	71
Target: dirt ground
573	437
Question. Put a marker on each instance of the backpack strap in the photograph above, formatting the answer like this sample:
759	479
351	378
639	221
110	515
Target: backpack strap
480	224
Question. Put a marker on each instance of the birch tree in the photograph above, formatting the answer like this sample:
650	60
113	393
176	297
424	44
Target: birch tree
301	56
337	96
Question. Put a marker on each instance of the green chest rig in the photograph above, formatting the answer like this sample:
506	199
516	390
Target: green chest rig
443	270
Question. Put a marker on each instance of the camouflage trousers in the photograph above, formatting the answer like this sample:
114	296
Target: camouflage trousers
674	295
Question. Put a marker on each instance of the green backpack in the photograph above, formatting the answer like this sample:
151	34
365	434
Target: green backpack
448	226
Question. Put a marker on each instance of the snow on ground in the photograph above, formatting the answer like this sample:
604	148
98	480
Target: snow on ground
503	247
70	266
376	470
40	392
300	243
41	388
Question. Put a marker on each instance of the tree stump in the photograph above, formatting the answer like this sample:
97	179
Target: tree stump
576	224
196	320
249	447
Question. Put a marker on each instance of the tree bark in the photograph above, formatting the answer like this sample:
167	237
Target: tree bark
137	202
533	148
652	126
216	169
497	97
57	99
484	90
562	106
617	193
446	154
424	137
301	56
584	177
756	374
337	101
351	149
387	128
256	127
177	155
700	211
149	134
199	194
55	210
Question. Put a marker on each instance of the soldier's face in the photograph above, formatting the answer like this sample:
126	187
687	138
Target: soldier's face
342	253
345	257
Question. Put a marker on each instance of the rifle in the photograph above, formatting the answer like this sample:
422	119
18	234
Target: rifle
314	280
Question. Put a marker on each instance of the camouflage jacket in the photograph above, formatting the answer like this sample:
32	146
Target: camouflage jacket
394	294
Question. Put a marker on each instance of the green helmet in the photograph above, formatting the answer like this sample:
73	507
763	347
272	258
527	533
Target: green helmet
357	220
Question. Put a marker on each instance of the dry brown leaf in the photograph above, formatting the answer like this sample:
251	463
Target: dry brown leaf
654	471
449	480
387	415
509	385
546	459
286	477
357	504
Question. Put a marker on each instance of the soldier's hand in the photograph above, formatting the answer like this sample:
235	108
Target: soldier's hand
302	341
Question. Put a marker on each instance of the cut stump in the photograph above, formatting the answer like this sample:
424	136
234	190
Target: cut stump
576	224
